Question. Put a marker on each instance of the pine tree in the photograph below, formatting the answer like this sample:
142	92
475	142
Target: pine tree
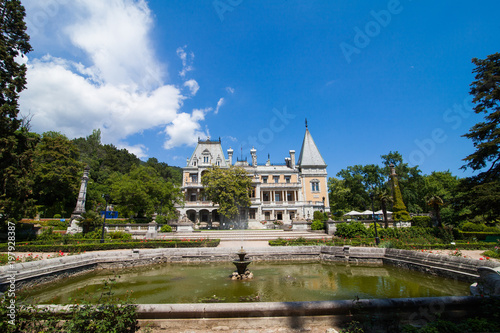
16	144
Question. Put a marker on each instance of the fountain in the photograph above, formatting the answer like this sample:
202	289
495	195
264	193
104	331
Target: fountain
242	273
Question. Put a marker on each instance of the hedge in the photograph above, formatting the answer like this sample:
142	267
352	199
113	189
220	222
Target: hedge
421	221
112	246
371	242
479	235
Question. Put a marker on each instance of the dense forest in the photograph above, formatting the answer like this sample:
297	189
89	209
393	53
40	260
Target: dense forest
136	188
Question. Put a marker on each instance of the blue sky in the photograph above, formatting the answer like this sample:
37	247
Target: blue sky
370	77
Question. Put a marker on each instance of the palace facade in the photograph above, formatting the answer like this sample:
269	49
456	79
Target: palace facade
281	193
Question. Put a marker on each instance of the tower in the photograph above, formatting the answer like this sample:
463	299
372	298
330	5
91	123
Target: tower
80	203
313	175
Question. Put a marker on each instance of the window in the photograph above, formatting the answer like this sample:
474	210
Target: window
315	185
287	179
205	159
277	196
264	179
276	179
194	178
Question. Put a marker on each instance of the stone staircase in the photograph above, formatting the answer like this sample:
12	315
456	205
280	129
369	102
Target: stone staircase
243	235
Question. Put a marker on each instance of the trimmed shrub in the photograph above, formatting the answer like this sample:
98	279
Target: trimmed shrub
475	227
421	221
351	230
166	228
317	215
119	235
317	225
57	216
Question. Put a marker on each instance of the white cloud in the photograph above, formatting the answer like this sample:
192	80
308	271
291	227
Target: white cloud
185	129
193	86
220	103
230	90
117	83
65	101
187	60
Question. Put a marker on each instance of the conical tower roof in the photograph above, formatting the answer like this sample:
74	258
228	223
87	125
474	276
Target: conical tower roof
309	153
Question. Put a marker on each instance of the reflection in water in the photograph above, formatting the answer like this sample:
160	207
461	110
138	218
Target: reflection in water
273	282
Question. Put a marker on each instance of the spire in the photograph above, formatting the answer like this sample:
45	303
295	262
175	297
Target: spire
309	153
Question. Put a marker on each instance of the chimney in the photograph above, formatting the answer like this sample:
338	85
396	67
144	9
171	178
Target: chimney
292	158
230	155
253	152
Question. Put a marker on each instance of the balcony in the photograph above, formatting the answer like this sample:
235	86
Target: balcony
192	185
281	185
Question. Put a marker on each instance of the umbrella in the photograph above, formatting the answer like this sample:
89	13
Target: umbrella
353	212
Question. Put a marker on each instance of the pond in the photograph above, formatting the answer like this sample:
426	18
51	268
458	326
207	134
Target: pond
272	282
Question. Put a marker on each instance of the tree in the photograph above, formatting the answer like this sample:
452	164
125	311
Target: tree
142	191
16	144
383	196
486	135
339	196
229	188
399	212
484	188
57	173
436	202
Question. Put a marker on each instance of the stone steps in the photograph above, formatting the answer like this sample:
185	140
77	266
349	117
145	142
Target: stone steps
244	235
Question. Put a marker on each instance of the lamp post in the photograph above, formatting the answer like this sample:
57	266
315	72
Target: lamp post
377	240
106	197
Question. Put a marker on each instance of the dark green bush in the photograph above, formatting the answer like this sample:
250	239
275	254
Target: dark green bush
421	221
320	216
475	227
166	228
351	230
119	235
317	225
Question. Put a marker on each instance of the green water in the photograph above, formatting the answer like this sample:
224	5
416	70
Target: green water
273	282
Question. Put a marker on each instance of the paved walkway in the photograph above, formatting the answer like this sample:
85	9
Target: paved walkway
245	244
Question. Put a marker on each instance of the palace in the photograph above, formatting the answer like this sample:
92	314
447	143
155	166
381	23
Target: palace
281	192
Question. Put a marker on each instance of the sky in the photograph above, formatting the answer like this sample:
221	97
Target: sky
370	77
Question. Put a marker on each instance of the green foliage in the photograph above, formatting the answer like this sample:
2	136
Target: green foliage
229	188
119	235
90	221
469	226
320	216
353	327
351	230
317	225
142	191
166	228
110	315
421	221
16	144
492	253
57	173
161	219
